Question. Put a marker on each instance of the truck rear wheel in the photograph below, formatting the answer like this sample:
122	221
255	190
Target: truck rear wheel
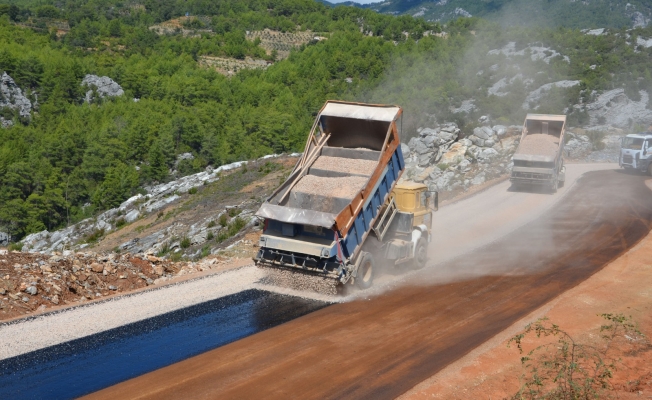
420	254
365	275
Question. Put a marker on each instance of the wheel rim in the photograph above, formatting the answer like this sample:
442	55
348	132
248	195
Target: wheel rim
366	271
421	255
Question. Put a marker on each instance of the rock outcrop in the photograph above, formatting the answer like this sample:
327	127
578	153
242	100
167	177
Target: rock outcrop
12	98
4	239
75	237
102	85
443	159
615	108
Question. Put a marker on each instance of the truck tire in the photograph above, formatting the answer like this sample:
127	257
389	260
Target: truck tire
649	169
365	275
560	184
421	254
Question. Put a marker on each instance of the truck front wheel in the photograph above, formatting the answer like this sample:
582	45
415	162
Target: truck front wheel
420	254
365	275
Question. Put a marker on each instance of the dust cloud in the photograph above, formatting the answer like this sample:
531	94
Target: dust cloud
495	70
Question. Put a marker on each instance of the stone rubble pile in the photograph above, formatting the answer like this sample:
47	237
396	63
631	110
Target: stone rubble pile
445	160
35	282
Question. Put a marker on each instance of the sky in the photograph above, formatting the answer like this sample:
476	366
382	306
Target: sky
357	1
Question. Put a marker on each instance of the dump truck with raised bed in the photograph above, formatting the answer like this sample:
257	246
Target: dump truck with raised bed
341	215
539	160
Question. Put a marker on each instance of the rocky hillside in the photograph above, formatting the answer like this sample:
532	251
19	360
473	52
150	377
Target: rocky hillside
569	13
451	162
188	218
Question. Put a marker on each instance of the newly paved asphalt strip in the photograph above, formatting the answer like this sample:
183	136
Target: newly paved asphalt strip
91	363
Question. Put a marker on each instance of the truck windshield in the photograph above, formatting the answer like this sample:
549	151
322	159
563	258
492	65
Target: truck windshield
632	143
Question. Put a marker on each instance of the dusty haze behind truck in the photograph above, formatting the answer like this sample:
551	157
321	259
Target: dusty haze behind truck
539	161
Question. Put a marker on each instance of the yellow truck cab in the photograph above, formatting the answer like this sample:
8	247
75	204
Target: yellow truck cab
414	198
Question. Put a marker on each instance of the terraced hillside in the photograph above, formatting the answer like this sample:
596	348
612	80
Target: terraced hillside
282	42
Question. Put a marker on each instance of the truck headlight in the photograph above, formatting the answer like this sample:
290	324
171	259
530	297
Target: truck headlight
325	253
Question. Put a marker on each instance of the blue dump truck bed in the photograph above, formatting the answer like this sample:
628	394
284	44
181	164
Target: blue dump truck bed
319	218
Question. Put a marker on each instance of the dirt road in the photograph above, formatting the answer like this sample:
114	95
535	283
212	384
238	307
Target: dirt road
383	347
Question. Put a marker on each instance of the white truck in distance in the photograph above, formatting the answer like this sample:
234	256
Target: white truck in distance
636	152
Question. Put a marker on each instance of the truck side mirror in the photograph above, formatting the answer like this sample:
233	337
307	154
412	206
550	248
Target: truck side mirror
435	200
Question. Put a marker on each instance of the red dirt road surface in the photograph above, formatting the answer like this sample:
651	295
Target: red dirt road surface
381	347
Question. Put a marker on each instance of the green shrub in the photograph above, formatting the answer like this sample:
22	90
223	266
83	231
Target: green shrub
185	242
165	249
211	224
192	190
595	137
223	220
210	236
120	222
222	236
15	246
95	236
235	226
233	212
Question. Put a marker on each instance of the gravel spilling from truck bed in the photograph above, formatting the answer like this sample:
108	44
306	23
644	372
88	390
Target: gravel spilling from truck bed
539	144
343	187
301	282
346	165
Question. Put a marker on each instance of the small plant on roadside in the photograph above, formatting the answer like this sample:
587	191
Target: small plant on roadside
233	212
224	220
185	242
120	222
210	236
176	257
236	225
165	249
596	139
205	251
222	236
568	369
160	215
211	224
442	166
94	236
192	190
15	246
